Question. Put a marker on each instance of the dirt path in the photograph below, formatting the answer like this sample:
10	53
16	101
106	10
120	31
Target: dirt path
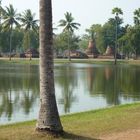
127	135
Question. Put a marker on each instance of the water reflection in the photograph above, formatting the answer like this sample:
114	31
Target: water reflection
19	88
66	80
79	87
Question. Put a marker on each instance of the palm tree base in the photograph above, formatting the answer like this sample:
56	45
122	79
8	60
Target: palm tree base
48	131
9	58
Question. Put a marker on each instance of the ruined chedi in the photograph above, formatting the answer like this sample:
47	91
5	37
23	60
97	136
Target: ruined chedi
92	51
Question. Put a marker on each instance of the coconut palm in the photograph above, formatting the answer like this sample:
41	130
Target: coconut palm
0	11
48	119
10	18
137	16
117	11
68	26
29	23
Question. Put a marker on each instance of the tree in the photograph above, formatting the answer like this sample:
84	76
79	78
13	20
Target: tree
83	42
48	120
29	24
68	27
108	34
0	11
137	16
117	11
60	42
136	32
125	41
10	17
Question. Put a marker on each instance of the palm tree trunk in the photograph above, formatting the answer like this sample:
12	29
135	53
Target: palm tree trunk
116	37
48	119
0	12
10	43
29	41
69	46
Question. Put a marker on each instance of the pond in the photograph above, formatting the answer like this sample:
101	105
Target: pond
79	87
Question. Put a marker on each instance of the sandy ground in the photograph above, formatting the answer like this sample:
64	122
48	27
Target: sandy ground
126	135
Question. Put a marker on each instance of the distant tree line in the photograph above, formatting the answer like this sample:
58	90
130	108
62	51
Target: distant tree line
128	41
20	31
17	31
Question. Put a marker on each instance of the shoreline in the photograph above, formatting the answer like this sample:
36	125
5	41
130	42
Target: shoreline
91	124
35	61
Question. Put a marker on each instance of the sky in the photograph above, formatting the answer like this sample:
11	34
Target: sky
85	12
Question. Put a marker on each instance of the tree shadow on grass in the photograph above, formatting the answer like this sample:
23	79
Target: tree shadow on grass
69	136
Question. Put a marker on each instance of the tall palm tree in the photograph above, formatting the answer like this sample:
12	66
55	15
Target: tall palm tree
10	18
0	11
137	16
48	120
29	23
117	11
68	26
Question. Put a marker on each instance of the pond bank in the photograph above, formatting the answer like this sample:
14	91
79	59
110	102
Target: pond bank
35	61
90	125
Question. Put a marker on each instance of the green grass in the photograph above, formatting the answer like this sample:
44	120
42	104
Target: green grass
81	126
35	61
19	61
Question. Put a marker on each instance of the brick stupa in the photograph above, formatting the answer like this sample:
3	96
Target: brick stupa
92	50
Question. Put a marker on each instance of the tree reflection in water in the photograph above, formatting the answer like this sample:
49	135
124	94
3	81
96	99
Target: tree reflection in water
19	88
79	87
68	83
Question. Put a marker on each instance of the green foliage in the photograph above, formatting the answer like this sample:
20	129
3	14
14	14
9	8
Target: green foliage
61	42
135	39
26	41
17	40
68	23
83	43
27	35
117	11
137	16
9	17
29	23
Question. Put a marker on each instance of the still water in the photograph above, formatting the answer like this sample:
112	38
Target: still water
79	87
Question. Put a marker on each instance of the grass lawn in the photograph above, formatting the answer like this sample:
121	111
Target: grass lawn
35	61
81	126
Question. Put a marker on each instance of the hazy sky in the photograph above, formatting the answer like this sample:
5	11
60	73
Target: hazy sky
85	12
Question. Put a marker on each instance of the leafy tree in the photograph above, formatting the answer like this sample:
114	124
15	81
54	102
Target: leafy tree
117	11
137	16
4	41
48	120
17	41
10	17
60	42
108	33
84	42
132	35
68	27
1	11
29	23
124	41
